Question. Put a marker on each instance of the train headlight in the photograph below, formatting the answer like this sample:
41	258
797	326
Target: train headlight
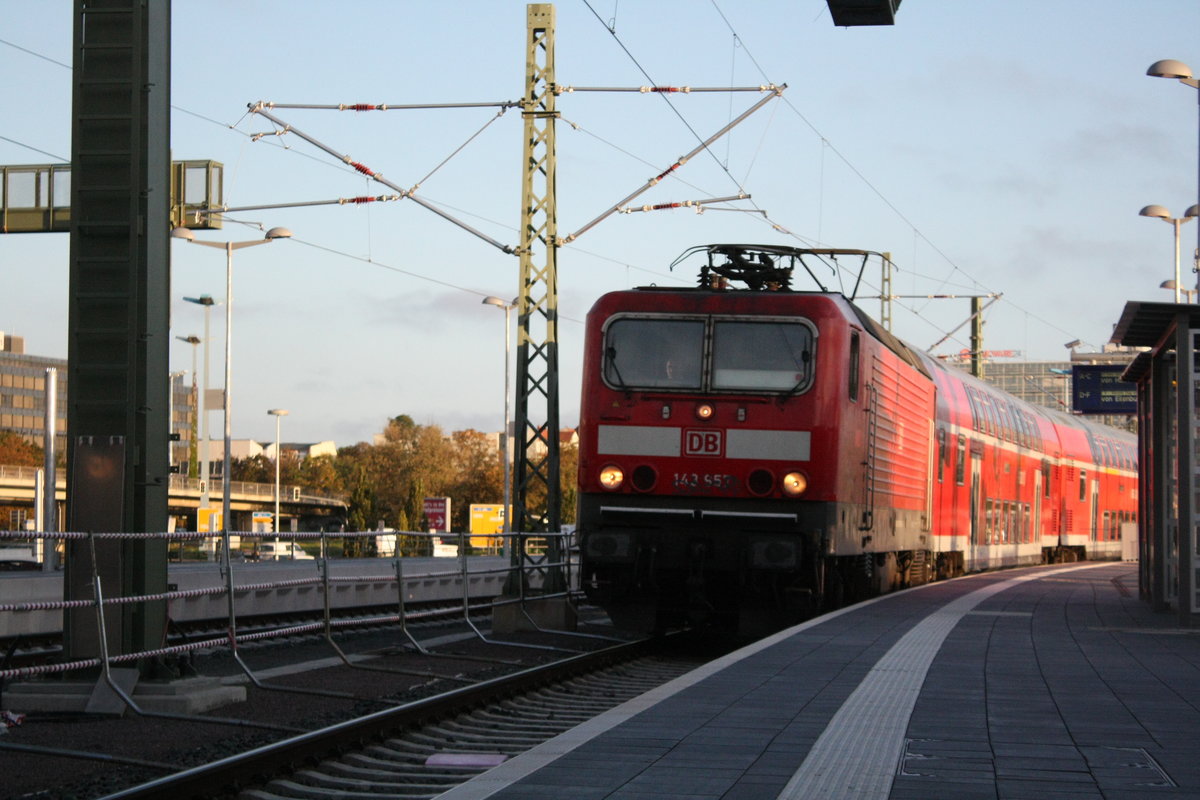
794	484
611	477
704	411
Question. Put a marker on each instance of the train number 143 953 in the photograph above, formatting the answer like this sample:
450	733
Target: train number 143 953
702	482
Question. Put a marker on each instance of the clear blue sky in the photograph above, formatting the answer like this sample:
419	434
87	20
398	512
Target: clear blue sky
990	147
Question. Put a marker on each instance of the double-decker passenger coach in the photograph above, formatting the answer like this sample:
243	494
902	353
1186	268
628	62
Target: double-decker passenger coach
750	453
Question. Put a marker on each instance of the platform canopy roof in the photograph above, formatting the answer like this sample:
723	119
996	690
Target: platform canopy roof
1145	324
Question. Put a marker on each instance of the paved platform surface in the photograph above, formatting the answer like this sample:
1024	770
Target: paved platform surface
1039	683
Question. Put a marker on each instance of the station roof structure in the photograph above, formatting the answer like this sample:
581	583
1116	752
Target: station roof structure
1143	324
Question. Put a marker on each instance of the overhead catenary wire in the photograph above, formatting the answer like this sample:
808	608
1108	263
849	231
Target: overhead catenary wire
503	104
697	204
260	109
611	28
559	90
776	91
866	182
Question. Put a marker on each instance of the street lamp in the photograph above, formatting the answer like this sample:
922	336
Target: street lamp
1163	214
207	303
1187	293
229	247
193	445
1170	68
508	307
277	413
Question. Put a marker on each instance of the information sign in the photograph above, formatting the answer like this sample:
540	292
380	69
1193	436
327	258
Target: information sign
1098	389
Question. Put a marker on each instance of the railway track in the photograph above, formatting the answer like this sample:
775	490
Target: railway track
421	749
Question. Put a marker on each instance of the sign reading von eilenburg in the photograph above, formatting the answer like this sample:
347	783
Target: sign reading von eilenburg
1098	389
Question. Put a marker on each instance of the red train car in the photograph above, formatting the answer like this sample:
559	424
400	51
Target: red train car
751	455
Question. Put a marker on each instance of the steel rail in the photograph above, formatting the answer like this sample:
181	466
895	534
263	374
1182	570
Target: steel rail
227	776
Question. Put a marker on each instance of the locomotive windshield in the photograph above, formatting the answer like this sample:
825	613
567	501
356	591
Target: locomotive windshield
759	355
654	353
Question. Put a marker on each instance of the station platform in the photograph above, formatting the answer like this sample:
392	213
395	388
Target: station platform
1045	682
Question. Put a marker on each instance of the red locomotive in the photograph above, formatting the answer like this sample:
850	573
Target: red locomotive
751	455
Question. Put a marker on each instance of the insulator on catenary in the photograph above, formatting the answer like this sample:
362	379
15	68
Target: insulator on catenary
358	107
666	172
363	168
666	89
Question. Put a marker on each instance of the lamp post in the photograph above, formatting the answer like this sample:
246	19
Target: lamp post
193	445
1163	214
1187	293
206	302
1170	68
508	307
277	413
229	247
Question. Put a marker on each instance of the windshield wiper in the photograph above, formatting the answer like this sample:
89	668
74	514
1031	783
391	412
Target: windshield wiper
805	359
610	357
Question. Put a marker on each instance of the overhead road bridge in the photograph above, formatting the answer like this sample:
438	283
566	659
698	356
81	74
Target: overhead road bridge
311	509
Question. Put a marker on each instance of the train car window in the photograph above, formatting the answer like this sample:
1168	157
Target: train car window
1082	484
854	368
1045	478
960	461
1006	423
943	453
654	353
762	356
974	403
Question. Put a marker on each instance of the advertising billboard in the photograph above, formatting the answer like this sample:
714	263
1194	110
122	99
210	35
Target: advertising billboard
487	525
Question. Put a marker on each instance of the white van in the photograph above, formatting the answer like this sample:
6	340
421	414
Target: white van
280	551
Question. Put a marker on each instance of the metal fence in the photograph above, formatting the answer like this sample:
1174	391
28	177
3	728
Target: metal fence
523	581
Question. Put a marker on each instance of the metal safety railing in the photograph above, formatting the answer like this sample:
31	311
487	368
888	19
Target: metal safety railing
524	573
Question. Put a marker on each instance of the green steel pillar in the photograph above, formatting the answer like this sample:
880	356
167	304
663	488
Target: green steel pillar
537	495
119	394
977	337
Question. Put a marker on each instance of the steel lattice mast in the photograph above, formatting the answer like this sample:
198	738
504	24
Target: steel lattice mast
537	455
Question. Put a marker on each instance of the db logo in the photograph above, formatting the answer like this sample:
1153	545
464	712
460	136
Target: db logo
702	443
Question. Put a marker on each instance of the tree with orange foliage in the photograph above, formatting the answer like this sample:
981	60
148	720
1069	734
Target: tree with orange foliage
16	452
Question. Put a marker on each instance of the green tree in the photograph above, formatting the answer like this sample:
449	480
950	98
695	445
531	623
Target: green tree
255	469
